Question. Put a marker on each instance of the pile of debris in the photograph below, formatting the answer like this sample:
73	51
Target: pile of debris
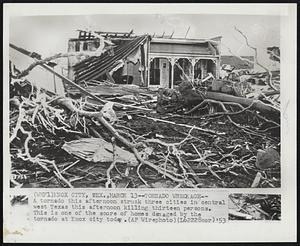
254	207
201	135
58	142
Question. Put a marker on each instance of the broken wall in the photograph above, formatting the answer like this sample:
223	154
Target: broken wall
77	45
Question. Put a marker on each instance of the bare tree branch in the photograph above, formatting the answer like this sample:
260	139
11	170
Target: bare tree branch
269	78
100	50
26	71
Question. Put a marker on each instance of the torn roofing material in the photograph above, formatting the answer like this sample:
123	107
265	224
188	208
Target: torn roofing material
94	67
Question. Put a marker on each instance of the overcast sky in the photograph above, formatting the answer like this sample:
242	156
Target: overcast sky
48	35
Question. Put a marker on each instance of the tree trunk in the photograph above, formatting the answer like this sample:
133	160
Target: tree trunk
192	97
258	105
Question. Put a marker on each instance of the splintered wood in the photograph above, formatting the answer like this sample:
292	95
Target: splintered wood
124	136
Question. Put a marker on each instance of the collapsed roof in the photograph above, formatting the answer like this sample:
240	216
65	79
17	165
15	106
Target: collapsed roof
95	67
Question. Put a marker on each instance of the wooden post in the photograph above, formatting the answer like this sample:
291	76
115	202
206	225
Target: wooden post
149	68
202	68
193	62
172	61
218	68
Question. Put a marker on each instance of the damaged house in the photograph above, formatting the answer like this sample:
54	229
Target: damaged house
142	60
111	130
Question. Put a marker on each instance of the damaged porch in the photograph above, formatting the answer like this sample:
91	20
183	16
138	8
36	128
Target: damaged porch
143	60
174	60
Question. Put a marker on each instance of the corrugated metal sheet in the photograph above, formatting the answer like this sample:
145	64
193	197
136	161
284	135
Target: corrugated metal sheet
94	67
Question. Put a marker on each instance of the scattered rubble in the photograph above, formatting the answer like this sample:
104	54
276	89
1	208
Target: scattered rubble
200	134
254	207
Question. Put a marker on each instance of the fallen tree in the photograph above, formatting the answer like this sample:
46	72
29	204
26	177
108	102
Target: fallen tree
256	104
184	152
191	96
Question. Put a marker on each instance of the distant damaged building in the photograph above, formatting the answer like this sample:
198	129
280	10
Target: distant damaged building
142	60
247	62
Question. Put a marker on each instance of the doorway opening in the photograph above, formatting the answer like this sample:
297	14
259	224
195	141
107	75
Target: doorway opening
160	73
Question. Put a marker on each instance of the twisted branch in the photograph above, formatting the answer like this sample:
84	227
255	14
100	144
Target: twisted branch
269	79
98	115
